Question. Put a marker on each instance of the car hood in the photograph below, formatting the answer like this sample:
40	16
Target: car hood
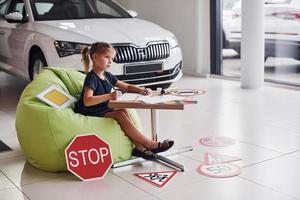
131	30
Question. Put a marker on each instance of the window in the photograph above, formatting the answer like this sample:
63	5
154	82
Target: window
43	8
103	8
19	6
3	8
76	9
282	40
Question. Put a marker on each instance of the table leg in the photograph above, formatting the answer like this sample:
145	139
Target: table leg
161	158
154	124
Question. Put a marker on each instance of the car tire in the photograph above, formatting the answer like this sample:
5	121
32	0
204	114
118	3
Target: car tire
225	43
36	64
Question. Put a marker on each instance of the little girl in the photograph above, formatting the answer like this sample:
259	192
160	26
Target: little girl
97	93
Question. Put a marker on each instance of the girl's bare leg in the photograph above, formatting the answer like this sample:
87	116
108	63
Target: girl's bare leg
129	129
126	113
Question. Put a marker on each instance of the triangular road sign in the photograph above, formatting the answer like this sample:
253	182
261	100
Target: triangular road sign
158	179
214	158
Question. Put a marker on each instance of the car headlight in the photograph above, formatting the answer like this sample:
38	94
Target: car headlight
65	48
173	42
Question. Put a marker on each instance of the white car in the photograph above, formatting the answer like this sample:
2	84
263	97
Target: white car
38	33
282	28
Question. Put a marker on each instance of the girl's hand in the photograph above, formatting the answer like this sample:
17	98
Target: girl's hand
147	91
116	94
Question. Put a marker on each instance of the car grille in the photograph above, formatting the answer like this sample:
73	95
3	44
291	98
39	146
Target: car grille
128	53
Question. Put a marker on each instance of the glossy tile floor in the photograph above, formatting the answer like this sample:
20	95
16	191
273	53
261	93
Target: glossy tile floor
265	124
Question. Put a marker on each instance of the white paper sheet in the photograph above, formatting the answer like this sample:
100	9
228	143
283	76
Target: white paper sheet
159	99
130	96
149	99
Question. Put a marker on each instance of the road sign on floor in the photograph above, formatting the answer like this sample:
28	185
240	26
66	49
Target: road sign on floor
216	141
214	158
220	170
88	157
158	179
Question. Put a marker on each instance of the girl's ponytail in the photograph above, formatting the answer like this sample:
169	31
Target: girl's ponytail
85	59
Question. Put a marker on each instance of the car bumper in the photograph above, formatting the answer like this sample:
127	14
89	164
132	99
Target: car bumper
282	48
154	78
275	48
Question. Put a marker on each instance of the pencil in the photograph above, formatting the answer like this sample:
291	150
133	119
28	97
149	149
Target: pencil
111	85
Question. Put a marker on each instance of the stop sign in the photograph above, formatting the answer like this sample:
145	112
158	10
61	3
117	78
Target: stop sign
88	157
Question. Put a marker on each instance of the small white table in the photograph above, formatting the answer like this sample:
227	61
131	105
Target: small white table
161	158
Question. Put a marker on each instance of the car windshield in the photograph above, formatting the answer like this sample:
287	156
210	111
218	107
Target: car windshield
76	9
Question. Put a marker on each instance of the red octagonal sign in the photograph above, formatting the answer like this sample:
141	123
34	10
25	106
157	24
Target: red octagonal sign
88	157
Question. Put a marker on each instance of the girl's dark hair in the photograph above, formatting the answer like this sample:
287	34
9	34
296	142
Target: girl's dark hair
86	53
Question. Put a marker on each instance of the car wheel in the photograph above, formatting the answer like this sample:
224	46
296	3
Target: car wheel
225	43
36	64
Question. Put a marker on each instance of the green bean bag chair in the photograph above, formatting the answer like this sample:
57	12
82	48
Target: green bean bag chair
44	132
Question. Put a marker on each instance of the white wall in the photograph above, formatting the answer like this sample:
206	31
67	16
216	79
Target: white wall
189	20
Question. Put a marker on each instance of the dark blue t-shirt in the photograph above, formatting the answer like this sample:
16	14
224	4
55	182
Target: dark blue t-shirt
100	87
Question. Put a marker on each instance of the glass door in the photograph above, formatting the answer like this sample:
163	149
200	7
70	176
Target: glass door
282	40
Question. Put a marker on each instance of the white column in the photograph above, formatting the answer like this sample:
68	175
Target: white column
202	37
252	44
